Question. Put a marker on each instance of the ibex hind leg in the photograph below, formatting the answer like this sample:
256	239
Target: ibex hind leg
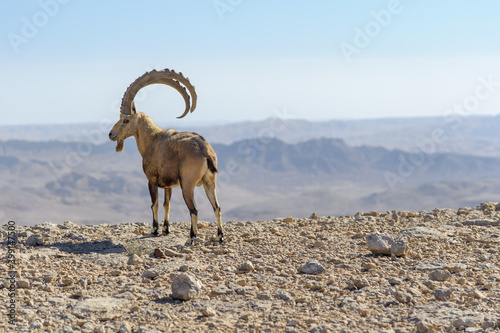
166	207
212	196
188	195
153	191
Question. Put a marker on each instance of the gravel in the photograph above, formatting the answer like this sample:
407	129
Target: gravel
284	275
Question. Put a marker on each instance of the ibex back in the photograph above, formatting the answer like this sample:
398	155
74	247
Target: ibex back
169	158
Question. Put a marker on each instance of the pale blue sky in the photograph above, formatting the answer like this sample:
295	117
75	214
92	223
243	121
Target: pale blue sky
69	61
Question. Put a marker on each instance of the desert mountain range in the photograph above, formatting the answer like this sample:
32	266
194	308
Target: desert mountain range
267	169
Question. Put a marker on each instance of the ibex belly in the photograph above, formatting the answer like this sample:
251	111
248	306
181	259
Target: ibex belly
164	182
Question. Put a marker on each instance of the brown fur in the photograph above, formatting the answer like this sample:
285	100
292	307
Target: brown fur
171	159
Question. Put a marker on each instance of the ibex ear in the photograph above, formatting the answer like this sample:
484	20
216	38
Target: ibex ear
134	110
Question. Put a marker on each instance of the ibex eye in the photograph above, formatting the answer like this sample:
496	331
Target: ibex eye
125	121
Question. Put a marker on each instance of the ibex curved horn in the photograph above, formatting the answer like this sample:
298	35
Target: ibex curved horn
166	76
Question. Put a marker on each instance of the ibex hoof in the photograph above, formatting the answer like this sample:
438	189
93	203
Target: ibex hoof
221	238
155	232
193	241
165	232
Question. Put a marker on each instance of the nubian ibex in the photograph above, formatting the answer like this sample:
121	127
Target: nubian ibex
169	158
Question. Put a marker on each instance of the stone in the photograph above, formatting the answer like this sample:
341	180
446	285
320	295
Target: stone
159	253
23	283
186	286
455	268
360	283
37	324
398	247
49	277
440	275
247	266
403	297
443	295
104	307
468	319
125	327
209	312
284	296
322	328
288	219
67	225
34	241
313	216
45	226
423	232
379	243
477	294
134	260
143	329
171	253
368	266
312	267
100	329
246	290
482	222
155	271
395	281
67	281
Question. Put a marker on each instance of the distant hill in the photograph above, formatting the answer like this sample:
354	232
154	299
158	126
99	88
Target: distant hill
471	135
259	178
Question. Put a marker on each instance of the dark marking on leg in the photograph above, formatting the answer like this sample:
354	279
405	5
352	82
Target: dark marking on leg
153	192
194	222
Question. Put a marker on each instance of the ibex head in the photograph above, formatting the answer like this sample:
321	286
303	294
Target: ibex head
127	125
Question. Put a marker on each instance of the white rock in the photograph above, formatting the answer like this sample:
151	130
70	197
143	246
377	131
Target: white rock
134	260
398	247
379	243
312	267
247	266
186	286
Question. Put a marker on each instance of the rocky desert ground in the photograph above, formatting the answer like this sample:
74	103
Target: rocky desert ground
399	271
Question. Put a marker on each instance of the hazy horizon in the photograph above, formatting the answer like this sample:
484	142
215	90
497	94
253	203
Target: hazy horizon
187	123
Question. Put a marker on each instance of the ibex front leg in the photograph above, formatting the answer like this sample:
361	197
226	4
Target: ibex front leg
153	191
